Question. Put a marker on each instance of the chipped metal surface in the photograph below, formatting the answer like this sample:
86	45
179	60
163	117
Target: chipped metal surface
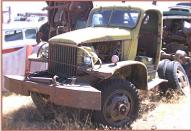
75	95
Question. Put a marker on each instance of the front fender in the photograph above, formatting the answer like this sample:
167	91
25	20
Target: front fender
134	71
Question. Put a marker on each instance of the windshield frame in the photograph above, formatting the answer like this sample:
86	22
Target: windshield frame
109	24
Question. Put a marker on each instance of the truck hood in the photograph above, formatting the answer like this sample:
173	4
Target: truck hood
91	35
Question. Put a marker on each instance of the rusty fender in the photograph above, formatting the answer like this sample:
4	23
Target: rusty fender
77	95
107	70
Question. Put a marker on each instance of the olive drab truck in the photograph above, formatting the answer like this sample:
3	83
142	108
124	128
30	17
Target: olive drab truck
102	67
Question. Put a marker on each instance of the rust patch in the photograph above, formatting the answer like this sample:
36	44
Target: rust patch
75	95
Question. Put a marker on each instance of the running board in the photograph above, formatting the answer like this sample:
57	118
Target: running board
153	83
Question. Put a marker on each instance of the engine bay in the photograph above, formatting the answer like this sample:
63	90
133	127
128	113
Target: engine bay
105	50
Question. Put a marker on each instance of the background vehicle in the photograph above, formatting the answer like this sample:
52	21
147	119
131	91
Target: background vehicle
103	66
177	34
16	37
16	33
64	16
184	6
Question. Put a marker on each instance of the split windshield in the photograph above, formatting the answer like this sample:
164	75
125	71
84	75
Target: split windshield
114	18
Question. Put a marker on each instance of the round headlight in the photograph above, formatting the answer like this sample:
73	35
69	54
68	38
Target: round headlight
87	60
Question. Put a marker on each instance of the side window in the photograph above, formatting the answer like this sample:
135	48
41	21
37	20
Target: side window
30	34
12	35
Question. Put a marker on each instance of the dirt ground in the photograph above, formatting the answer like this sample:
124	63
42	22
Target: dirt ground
156	112
172	113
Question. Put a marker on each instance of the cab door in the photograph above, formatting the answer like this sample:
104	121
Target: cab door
149	42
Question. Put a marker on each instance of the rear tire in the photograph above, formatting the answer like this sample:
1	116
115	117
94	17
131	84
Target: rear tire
162	74
120	103
162	68
177	78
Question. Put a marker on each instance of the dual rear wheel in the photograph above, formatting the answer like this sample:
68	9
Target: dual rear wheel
175	74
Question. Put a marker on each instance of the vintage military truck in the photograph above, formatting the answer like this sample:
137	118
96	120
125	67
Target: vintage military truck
102	66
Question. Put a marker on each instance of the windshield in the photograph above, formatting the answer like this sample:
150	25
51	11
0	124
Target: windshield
116	18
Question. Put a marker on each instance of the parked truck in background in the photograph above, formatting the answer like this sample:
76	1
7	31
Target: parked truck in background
177	35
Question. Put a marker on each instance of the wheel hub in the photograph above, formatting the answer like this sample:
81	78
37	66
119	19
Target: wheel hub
183	82
119	108
123	109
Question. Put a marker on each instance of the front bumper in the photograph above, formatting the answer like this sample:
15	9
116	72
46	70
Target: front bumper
77	95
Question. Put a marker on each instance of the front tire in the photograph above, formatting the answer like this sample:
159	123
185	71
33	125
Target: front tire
43	105
120	103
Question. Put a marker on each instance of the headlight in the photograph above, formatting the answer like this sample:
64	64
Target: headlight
87	60
89	57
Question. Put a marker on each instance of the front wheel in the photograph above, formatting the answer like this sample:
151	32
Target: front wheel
44	106
120	103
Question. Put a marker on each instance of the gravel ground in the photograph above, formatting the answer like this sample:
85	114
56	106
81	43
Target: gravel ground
156	112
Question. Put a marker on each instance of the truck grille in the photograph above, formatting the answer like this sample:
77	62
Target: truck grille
62	60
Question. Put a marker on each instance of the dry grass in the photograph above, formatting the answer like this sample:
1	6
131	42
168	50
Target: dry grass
20	113
168	111
153	98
